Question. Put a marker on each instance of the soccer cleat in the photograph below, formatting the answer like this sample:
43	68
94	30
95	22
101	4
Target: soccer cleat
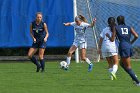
114	76
90	67
38	68
111	77
66	68
42	70
138	84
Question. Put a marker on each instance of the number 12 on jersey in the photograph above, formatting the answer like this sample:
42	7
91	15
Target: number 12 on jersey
124	30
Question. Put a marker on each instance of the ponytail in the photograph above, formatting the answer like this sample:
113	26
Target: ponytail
82	18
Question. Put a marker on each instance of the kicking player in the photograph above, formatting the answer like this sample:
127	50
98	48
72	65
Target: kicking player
109	48
80	40
39	34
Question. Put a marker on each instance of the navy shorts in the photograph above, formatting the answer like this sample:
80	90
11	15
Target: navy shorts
128	52
40	44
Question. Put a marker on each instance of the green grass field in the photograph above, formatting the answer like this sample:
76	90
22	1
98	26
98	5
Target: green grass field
18	77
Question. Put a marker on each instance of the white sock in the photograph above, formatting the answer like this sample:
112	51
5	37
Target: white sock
110	70
68	60
88	61
115	68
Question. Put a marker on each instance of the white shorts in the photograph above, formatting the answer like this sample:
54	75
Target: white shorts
80	45
108	54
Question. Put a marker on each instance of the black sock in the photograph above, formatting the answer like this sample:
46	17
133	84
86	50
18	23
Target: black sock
132	75
42	63
130	72
34	60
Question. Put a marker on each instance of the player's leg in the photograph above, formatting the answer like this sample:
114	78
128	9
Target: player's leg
31	56
127	65
41	58
83	47
70	52
110	65
42	46
115	65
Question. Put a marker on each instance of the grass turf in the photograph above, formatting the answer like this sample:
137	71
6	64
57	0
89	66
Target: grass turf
21	77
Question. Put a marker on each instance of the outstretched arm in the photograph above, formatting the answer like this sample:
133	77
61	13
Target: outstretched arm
134	34
66	24
93	22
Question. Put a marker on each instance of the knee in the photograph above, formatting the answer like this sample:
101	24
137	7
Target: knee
41	57
29	55
83	58
69	53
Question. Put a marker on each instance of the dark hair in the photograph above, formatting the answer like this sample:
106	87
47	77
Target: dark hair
80	17
121	20
111	22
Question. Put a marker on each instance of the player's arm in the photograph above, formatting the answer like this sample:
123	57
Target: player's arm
112	38
31	33
47	33
67	24
100	45
93	22
134	34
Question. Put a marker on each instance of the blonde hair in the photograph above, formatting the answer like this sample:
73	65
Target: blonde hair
82	18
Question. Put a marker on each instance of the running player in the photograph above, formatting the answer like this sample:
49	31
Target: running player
124	33
109	48
39	34
80	40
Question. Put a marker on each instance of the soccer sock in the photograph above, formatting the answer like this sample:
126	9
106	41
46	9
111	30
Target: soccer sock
42	63
110	70
68	60
132	74
115	68
34	60
88	61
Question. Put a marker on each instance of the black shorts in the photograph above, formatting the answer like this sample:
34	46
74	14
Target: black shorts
40	44
128	52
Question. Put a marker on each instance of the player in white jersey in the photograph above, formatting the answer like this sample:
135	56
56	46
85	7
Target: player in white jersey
80	40
109	48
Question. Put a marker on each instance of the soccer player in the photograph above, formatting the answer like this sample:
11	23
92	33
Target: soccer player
80	40
39	34
124	33
109	48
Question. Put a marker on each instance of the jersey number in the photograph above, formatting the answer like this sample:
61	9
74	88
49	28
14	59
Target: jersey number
124	30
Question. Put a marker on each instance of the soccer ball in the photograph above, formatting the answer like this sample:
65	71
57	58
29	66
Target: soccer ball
63	65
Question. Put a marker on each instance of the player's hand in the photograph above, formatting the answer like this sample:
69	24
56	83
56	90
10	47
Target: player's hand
45	39
94	20
34	40
107	35
64	24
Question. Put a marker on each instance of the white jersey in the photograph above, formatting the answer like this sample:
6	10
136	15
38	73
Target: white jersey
80	32
107	45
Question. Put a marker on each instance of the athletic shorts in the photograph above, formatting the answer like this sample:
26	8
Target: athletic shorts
108	54
40	44
128	52
80	45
